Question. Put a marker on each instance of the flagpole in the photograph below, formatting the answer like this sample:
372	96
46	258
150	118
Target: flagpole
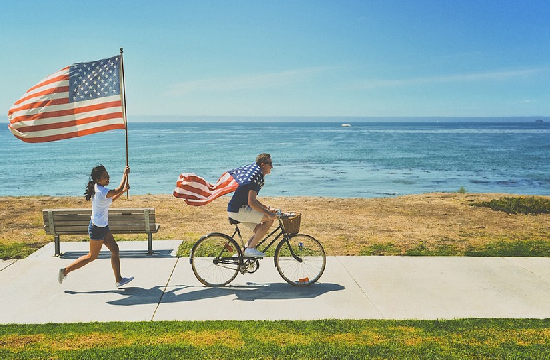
123	98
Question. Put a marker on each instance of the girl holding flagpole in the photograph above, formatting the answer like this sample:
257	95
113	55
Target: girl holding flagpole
98	229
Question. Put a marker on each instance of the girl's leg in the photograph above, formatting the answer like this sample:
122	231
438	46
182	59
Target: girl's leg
111	244
95	248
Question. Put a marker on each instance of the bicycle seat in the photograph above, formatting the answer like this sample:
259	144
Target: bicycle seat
233	221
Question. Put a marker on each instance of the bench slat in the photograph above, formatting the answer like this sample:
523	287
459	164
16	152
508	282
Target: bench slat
112	220
83	229
113	225
89	210
80	231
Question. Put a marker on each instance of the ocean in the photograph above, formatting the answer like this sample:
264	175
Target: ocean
365	160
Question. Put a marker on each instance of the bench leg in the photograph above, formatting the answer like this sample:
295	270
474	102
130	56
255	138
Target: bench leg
150	244
57	245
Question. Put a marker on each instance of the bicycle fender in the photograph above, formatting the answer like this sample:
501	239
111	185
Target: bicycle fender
217	234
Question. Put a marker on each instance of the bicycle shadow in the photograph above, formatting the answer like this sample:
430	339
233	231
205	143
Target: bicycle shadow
253	291
183	293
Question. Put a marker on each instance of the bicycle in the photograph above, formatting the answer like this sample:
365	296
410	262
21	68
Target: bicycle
300	259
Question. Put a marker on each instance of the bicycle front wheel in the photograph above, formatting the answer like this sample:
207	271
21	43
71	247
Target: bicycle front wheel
300	259
215	259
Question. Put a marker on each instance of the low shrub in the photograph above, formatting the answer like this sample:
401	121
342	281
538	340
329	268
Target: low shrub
518	205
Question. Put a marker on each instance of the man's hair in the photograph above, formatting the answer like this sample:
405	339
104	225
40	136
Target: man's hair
262	159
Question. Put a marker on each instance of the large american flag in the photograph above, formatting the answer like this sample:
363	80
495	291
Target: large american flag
80	99
197	191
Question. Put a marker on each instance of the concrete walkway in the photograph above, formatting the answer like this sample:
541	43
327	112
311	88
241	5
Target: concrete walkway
351	288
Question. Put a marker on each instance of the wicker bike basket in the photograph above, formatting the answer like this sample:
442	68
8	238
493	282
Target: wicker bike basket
291	224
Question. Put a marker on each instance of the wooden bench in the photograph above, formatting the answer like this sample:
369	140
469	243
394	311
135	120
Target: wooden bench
59	222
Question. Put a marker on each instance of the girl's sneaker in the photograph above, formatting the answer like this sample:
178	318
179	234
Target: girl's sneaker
61	275
124	281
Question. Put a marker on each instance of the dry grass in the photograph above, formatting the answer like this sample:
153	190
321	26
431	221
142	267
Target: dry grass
344	226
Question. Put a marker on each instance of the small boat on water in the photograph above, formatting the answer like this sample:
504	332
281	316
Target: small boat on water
346	125
538	121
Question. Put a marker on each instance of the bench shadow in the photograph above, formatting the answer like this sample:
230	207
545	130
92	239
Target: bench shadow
182	293
135	254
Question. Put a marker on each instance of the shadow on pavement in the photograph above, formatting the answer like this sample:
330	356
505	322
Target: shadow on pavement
250	292
253	291
105	254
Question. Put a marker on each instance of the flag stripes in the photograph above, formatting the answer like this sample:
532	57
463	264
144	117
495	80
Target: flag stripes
197	191
78	100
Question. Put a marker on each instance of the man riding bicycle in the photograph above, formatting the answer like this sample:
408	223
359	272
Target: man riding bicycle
245	207
216	258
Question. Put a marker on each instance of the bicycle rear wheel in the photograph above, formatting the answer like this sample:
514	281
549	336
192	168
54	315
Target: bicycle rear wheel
300	259
215	259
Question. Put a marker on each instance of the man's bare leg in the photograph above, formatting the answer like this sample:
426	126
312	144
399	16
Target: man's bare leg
259	232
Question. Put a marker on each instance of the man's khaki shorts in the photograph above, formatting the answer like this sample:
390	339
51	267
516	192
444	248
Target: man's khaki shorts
247	216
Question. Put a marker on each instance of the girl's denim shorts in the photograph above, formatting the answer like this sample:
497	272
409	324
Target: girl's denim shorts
96	232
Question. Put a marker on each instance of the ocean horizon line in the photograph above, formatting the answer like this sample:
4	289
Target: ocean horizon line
335	119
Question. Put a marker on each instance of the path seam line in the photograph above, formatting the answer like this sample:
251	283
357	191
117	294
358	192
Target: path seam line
165	287
10	264
359	286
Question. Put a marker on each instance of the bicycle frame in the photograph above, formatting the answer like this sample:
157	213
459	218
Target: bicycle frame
273	241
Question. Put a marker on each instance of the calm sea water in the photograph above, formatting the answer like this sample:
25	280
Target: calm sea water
314	159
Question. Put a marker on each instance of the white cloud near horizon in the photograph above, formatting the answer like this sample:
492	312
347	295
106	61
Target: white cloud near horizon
468	77
248	82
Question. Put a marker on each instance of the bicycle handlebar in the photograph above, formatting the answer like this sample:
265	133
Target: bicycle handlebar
282	215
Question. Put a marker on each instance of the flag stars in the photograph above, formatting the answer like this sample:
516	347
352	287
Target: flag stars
95	79
247	174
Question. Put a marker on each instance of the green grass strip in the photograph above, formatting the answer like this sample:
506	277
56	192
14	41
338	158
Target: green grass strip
321	339
523	248
17	250
526	248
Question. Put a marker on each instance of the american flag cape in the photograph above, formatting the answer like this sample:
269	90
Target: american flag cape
197	191
80	99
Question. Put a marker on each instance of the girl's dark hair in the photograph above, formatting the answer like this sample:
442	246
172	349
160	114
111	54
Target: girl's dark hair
94	177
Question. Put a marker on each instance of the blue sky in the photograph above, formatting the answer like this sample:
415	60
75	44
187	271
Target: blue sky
293	58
